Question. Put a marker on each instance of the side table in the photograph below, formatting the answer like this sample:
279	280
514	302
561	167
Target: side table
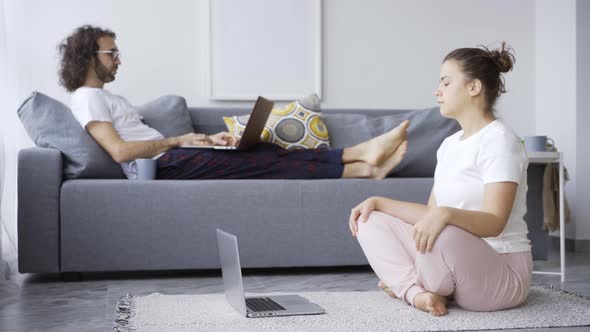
556	158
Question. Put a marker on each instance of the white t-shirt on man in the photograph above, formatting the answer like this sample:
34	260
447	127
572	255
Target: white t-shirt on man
493	154
95	104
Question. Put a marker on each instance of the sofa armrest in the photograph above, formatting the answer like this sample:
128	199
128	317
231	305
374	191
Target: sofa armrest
39	183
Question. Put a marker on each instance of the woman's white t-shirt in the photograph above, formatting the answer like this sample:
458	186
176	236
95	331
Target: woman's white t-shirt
94	104
493	154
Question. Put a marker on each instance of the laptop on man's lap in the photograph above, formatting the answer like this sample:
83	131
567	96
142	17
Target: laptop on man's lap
276	305
252	131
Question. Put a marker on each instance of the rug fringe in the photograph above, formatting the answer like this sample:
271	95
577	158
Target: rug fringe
124	313
557	288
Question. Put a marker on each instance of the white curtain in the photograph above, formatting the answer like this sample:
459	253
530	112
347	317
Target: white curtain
10	128
3	78
3	272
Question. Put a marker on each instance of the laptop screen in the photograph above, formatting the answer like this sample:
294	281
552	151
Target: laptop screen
229	258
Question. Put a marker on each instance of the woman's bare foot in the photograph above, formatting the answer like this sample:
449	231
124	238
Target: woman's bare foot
386	289
432	303
381	171
379	148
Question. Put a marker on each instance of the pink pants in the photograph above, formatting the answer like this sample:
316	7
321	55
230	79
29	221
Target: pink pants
460	263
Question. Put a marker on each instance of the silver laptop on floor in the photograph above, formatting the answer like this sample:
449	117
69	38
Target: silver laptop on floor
281	305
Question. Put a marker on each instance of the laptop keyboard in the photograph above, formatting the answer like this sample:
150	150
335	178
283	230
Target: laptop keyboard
257	304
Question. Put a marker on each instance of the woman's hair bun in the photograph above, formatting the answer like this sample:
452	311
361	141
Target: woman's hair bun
503	58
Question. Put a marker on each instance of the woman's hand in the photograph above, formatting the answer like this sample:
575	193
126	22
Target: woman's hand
361	213
224	139
427	229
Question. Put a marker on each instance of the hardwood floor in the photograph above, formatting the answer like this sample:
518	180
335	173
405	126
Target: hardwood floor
47	303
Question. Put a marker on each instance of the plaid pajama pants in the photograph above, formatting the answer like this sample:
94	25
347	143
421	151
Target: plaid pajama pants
264	161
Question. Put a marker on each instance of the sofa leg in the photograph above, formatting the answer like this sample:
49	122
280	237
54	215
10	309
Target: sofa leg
71	276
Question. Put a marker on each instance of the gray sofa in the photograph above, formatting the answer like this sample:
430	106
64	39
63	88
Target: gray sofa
79	225
90	224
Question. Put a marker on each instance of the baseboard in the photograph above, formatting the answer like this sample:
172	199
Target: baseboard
571	244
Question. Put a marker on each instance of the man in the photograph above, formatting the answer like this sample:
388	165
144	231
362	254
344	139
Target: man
90	58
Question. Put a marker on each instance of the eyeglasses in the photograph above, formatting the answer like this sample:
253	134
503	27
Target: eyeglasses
115	54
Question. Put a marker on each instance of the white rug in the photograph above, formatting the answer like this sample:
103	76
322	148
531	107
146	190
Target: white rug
346	311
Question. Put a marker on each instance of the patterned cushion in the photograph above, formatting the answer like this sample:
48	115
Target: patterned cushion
297	125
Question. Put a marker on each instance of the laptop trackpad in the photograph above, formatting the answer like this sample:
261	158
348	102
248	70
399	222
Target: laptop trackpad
289	300
298	304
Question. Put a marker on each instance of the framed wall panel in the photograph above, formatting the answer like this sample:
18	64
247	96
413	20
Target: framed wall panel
265	47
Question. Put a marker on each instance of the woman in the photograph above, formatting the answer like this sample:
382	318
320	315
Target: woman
470	241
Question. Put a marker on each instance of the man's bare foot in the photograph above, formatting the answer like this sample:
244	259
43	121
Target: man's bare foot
381	171
378	149
386	289
432	303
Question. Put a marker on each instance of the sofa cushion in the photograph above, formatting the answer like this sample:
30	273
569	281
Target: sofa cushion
426	132
51	124
293	216
296	125
168	115
348	129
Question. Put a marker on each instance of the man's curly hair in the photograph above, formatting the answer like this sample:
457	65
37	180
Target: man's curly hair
76	53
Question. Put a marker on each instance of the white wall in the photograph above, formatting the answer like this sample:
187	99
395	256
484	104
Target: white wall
384	54
376	54
555	93
583	118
